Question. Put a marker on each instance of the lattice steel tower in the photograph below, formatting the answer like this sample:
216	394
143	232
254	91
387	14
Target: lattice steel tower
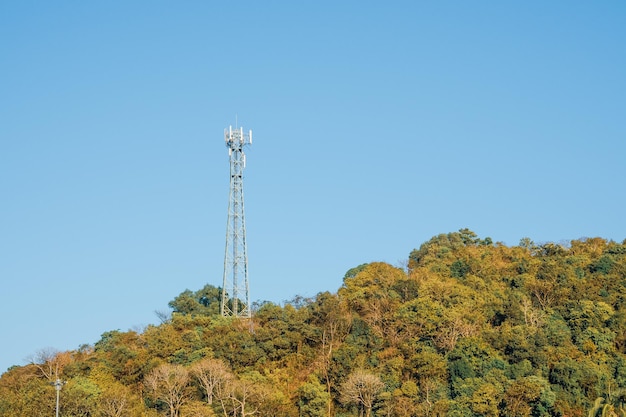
235	291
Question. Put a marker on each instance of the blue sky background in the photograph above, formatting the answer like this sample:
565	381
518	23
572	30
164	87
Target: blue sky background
376	126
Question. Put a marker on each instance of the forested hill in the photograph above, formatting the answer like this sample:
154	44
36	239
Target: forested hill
470	328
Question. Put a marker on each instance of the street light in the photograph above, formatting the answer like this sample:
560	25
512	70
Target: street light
57	386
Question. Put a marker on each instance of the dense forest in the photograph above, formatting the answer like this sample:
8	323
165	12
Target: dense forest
467	327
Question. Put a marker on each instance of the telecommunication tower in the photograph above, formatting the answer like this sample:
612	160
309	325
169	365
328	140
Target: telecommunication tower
235	290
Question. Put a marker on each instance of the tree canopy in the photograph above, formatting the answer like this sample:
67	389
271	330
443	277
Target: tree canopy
469	328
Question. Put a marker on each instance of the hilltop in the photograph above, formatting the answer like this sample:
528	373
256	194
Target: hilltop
469	328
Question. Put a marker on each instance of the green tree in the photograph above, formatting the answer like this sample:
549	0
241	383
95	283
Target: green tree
527	396
23	392
313	398
124	354
80	398
205	301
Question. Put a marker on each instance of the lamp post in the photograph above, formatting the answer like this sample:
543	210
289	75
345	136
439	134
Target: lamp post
57	386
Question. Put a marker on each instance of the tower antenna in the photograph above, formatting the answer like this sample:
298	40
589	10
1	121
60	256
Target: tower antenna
235	290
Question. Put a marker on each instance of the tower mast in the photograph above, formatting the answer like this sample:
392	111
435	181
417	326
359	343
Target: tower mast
235	290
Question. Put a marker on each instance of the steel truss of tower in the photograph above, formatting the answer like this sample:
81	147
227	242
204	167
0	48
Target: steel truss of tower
235	290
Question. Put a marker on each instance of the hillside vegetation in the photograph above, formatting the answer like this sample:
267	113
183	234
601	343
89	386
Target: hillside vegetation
469	328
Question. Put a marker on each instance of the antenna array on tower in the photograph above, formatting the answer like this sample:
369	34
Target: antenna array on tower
235	290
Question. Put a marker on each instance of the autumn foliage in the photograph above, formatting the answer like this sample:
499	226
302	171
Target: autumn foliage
469	328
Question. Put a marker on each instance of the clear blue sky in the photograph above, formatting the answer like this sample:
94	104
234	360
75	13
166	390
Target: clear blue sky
377	125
